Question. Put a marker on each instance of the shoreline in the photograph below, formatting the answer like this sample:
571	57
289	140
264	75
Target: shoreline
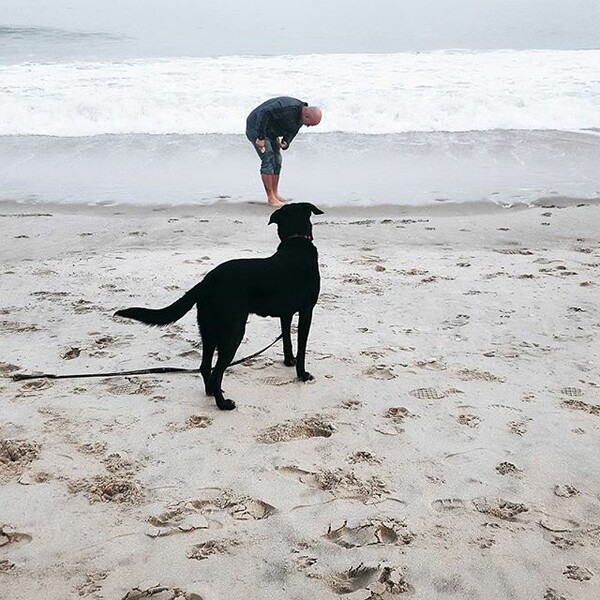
225	206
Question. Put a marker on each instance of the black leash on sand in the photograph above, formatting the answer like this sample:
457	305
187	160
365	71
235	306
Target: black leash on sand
24	376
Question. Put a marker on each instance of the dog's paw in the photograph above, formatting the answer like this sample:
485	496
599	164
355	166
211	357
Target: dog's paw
289	362
226	404
306	376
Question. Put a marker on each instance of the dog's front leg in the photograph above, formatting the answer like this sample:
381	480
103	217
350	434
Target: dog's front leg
304	320
288	353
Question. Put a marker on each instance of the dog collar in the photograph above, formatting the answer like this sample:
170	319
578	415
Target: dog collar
299	235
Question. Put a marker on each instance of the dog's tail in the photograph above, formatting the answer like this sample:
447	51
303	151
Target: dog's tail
164	316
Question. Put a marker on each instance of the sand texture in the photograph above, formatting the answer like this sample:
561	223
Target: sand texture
447	449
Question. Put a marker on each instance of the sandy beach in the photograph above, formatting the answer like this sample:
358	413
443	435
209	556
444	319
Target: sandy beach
447	448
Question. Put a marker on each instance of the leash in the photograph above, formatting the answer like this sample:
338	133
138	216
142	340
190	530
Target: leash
24	376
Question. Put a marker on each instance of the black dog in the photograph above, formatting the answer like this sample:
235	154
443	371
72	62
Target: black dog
279	286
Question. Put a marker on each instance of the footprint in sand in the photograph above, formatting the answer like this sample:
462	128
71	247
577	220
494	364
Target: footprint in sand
92	583
181	518
507	468
71	353
6	566
428	393
199	513
499	508
458	321
116	464
277	381
293	430
435	480
591	409
485	543
8	535
132	385
572	391
93	448
211	547
382	583
15	456
522	251
192	422
469	420
432	365
577	573
240	508
109	488
380	372
371	533
495	507
566	491
18	327
105	341
375	353
552	594
160	592
6	368
346	582
517	427
304	563
363	456
36	385
396	415
564	542
356	279
444	504
341	484
562	525
351	404
258	363
477	375
84	306
198	421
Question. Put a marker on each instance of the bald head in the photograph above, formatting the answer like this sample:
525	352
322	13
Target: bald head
311	115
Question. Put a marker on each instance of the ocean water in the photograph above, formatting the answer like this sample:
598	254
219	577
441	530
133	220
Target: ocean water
108	107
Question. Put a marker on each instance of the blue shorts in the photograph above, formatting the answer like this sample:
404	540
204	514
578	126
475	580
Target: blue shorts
270	159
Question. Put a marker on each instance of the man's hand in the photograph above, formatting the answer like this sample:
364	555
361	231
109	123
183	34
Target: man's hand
283	144
261	145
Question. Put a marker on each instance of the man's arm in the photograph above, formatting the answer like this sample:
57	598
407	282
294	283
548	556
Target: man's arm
286	140
264	116
291	118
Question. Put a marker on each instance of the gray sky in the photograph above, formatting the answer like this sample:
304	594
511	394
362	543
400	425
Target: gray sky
201	27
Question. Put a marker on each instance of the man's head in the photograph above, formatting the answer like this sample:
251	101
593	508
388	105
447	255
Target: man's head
311	115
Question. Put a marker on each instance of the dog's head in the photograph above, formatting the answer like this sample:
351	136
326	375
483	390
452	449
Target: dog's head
293	220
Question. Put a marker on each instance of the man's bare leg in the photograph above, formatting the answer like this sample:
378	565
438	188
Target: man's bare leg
275	189
271	190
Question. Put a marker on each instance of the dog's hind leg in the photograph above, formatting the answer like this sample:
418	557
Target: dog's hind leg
226	348
209	343
288	353
208	350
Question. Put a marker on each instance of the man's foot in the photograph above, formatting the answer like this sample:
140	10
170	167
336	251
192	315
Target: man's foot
275	202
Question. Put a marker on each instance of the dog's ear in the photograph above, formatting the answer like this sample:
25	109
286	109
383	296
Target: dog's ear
314	209
274	217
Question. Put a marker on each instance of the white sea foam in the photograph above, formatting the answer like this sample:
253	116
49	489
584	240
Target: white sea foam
360	93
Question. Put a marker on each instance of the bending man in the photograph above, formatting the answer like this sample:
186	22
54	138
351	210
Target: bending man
271	127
